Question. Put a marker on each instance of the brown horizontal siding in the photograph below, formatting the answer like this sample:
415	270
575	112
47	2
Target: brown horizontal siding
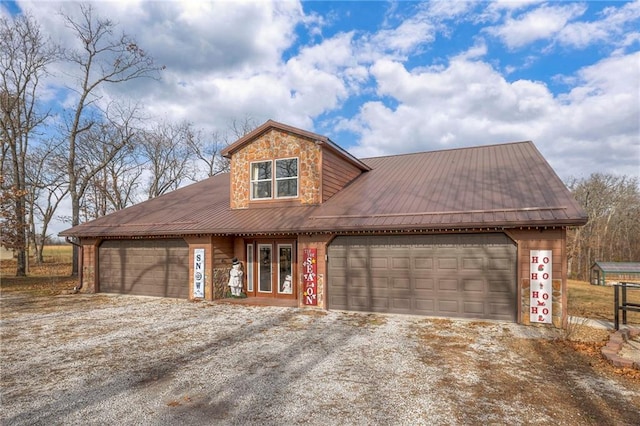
222	251
336	174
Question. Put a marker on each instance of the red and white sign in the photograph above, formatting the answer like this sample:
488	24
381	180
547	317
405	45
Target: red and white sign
541	285
310	276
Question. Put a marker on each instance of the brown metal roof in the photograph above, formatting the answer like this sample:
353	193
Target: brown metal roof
497	186
618	267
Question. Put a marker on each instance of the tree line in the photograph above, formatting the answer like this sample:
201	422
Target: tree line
612	233
102	155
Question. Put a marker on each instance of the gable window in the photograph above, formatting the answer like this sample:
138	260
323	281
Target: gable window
287	178
261	180
285	185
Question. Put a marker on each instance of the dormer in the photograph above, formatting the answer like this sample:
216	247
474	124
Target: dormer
277	164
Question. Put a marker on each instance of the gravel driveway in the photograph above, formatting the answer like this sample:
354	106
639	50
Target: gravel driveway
101	359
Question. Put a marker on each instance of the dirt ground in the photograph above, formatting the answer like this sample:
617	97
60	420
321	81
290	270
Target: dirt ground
102	359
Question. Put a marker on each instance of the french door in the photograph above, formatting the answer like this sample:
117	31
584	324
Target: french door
271	269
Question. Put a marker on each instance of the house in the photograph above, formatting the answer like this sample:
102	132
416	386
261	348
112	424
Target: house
473	232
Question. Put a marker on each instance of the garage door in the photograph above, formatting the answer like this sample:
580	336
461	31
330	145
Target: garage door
144	267
465	275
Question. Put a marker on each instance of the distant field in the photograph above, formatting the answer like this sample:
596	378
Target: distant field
50	278
58	254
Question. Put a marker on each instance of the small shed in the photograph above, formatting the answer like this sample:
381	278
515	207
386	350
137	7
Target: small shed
614	271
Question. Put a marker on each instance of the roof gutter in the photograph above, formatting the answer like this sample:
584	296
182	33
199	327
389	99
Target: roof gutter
77	288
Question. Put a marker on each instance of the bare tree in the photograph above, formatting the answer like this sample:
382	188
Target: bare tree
47	189
95	151
613	230
24	57
168	156
207	148
207	152
104	59
116	186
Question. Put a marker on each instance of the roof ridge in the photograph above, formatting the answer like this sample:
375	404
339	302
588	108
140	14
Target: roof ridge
462	148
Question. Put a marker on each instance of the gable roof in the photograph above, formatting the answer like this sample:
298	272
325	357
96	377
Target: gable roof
618	267
316	138
489	187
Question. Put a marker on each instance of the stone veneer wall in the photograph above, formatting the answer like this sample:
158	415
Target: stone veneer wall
89	262
271	145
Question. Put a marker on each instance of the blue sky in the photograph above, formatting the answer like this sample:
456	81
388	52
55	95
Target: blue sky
383	78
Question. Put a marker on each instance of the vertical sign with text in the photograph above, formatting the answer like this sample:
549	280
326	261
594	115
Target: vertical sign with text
310	276
198	272
541	285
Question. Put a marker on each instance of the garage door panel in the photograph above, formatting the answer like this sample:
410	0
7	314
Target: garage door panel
144	267
422	262
424	283
358	263
448	263
401	283
338	300
472	264
379	263
497	288
380	282
448	285
358	303
380	304
461	275
357	282
499	264
401	263
474	308
425	306
473	285
401	305
449	307
498	311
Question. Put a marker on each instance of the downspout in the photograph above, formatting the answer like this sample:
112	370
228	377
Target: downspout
77	288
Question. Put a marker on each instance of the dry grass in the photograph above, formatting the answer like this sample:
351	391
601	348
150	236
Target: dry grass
593	301
49	278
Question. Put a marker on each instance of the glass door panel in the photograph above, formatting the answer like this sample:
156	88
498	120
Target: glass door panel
285	269
264	268
250	268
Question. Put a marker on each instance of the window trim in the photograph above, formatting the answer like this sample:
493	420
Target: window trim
274	180
252	182
290	247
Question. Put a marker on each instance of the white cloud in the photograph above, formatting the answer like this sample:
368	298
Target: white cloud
406	37
541	23
227	60
594	126
614	24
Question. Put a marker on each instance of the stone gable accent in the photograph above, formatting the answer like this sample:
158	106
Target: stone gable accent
271	145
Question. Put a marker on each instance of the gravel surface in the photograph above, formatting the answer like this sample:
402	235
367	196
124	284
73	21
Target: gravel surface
102	359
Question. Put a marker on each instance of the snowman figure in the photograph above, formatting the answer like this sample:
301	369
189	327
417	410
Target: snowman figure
235	277
286	285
